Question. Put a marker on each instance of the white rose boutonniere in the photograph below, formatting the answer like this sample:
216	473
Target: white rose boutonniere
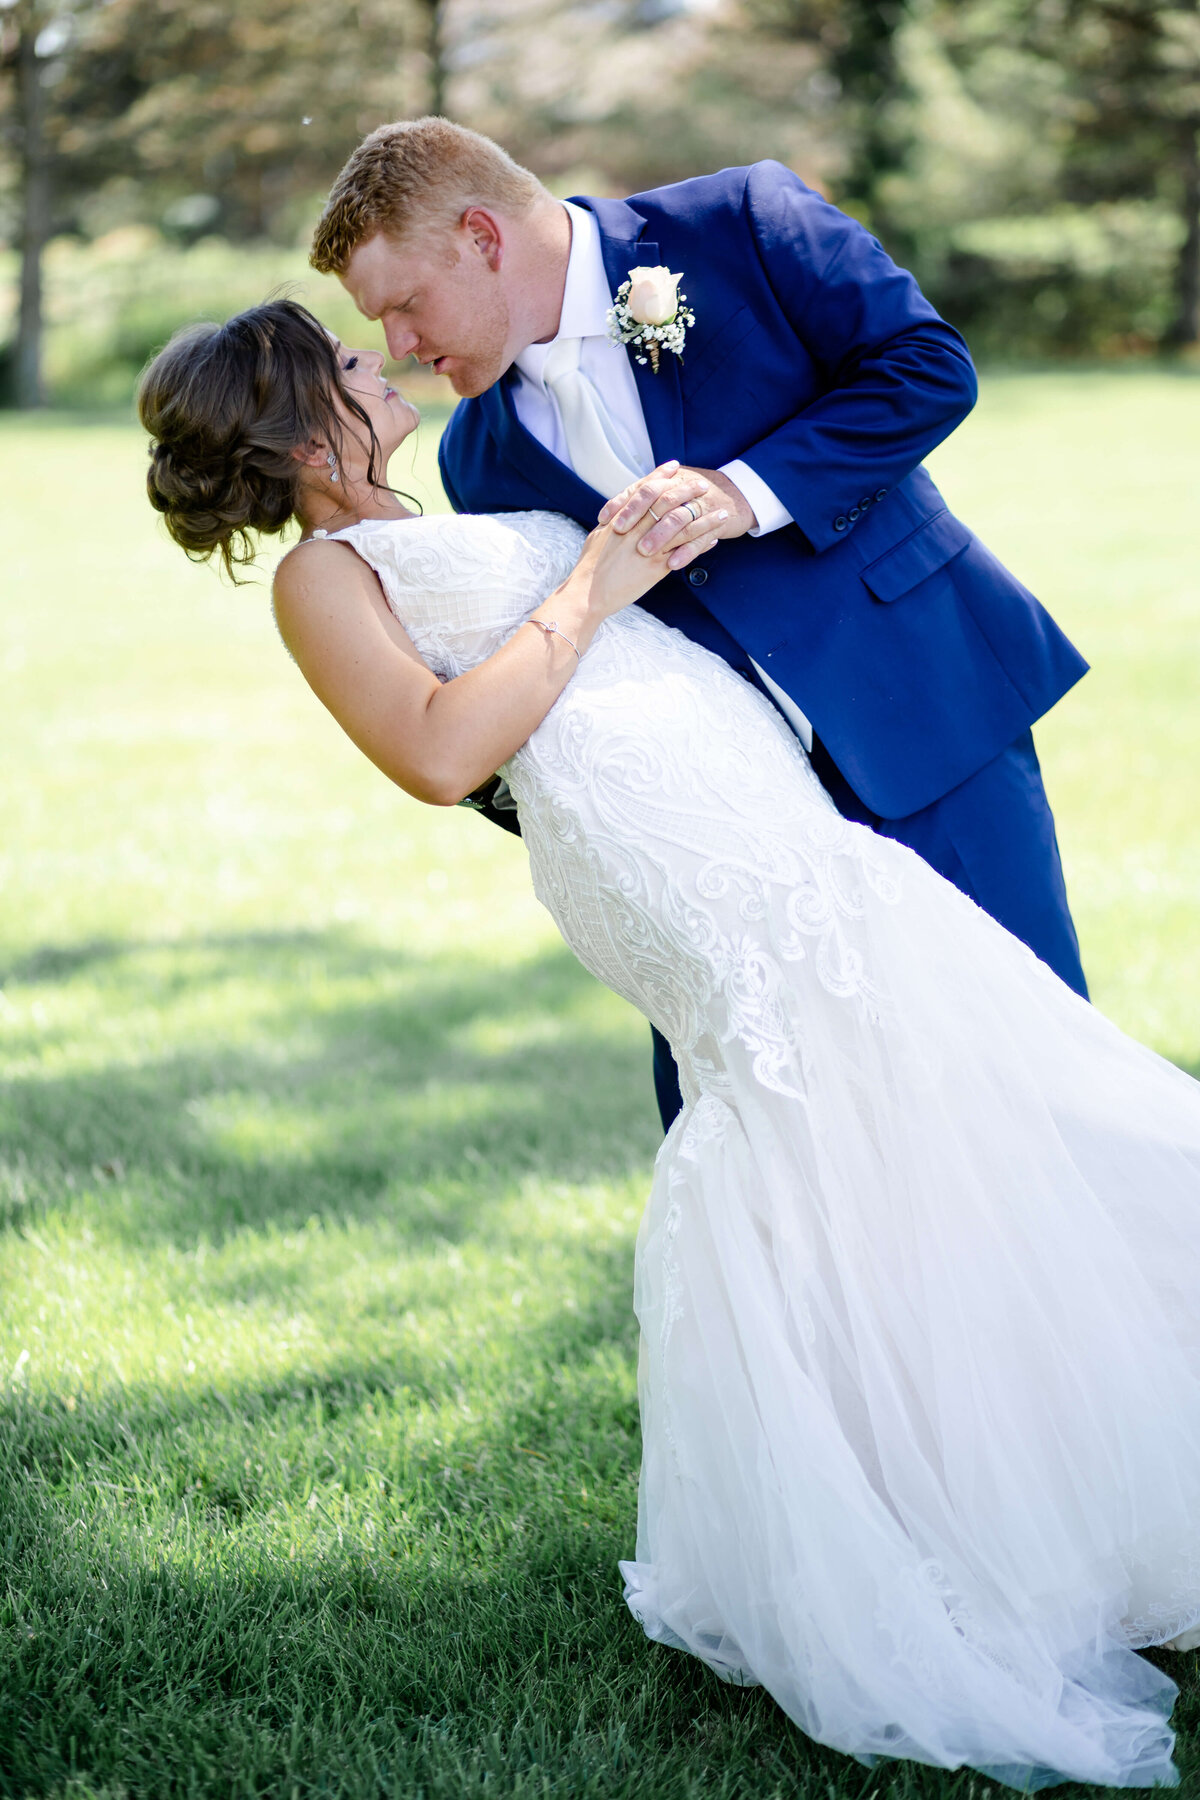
650	314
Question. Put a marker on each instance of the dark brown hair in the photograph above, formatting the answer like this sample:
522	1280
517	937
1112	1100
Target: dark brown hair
227	407
418	173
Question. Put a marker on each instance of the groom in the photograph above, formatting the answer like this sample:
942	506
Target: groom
813	380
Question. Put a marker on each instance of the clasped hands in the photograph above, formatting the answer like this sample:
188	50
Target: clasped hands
679	510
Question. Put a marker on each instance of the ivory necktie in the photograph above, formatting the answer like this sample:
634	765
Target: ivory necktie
595	445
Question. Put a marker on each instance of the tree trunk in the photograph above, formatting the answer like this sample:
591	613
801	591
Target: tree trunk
436	47
1184	329
35	215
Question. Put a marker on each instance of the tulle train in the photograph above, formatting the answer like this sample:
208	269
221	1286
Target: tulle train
920	1348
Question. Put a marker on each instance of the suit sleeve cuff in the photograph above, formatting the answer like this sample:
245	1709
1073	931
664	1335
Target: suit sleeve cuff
769	510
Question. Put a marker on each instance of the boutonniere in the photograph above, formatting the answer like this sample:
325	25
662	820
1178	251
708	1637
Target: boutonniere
650	314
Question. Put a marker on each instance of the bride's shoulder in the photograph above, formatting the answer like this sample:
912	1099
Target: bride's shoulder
303	576
323	553
313	559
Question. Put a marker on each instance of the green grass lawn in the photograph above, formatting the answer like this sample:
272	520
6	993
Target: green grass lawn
321	1162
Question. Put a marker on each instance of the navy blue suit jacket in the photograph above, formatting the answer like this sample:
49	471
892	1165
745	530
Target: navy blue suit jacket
915	653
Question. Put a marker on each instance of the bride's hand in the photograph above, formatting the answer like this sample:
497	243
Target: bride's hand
618	572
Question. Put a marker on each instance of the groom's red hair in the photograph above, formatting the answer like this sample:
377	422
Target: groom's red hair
420	172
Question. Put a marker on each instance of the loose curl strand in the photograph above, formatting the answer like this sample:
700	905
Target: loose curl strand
227	407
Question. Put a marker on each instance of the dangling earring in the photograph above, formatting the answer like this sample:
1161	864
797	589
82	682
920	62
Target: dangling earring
331	459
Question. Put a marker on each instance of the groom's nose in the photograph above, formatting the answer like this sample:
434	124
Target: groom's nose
401	340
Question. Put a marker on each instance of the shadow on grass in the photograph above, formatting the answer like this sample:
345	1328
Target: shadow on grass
470	1641
351	1081
443	1620
342	1677
474	1644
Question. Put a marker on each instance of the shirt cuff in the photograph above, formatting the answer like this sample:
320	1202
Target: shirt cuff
770	511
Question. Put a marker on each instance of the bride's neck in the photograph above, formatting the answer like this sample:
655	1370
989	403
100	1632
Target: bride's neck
320	512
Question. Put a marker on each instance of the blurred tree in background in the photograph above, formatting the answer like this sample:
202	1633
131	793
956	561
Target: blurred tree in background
1034	161
1133	77
856	46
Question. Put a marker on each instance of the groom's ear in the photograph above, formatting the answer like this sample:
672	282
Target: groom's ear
485	233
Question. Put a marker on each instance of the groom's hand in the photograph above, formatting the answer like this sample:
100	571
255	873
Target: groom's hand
680	509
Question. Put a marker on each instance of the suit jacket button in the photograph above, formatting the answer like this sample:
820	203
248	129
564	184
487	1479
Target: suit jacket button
855	513
840	523
880	495
697	577
864	503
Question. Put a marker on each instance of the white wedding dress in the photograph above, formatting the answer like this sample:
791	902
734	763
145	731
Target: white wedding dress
919	1277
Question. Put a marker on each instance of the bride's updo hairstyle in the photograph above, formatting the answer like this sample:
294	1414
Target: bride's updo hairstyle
227	407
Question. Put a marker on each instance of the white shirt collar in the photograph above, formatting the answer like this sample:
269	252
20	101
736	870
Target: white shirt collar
586	298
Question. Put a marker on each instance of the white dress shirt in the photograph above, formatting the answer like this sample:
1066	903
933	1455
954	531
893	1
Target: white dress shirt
586	300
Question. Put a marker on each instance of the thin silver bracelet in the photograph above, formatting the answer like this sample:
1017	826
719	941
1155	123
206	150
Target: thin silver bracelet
550	628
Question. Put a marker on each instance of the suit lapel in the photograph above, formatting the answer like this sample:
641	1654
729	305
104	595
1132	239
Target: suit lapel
661	395
562	487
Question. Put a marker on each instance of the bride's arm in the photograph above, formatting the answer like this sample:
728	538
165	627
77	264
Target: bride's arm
440	740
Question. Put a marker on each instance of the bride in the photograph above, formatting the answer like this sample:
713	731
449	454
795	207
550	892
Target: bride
919	1276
